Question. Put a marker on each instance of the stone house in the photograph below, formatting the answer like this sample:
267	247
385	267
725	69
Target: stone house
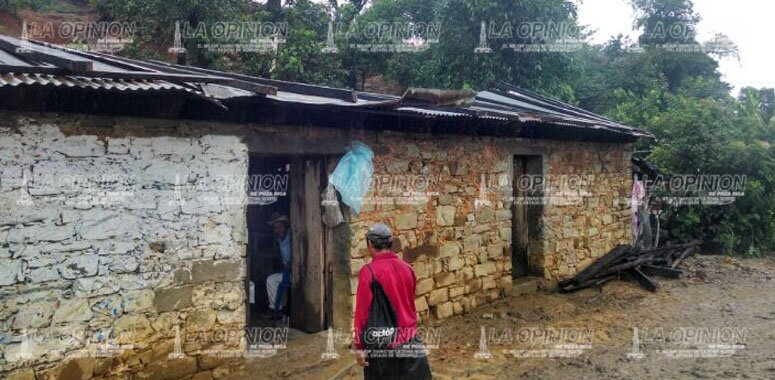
134	197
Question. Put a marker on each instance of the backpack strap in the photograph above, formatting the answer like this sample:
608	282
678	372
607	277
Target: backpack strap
373	277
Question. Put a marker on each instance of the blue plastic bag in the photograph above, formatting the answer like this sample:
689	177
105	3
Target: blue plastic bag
353	173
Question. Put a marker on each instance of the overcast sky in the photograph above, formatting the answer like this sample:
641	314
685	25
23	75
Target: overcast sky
748	23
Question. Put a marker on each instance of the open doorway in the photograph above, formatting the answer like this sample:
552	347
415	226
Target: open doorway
268	194
528	182
290	186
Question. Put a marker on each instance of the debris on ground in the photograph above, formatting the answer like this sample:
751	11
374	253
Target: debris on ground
633	264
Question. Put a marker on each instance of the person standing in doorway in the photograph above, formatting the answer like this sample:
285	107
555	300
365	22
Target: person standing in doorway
278	283
394	278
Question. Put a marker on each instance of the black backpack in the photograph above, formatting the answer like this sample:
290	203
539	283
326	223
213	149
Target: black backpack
382	324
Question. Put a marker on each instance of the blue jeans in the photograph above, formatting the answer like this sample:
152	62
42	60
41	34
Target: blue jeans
284	285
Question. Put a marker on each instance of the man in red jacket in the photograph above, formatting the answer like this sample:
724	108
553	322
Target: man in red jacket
398	282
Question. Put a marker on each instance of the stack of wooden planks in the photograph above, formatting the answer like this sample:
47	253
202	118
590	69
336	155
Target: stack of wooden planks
634	264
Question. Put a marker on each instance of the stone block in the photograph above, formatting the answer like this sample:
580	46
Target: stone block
421	304
455	263
413	254
210	270
73	310
79	266
422	269
484	269
201	319
485	215
495	251
170	299
406	221
445	279
33	315
132	328
445	216
424	286
437	296
471	243
444	310
456	291
11	271
449	248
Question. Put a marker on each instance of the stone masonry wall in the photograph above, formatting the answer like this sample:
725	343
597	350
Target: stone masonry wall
577	234
458	239
76	258
81	263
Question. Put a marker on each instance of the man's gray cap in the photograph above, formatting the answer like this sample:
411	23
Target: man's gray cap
379	231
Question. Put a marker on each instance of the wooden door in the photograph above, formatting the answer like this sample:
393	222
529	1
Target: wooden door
308	266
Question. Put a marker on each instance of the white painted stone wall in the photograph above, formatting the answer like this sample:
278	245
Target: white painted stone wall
117	231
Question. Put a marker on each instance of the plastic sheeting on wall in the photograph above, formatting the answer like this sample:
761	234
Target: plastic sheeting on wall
353	173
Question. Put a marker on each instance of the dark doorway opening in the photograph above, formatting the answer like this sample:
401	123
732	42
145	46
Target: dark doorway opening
291	186
268	193
528	183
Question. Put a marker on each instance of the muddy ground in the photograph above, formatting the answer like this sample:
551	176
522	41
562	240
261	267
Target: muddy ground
729	301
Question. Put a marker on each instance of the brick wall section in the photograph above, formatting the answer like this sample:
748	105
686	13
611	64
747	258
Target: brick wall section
162	259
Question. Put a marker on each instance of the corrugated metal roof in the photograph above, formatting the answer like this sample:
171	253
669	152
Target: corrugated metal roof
48	65
13	79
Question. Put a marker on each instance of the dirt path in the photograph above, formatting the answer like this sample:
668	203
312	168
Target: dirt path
728	303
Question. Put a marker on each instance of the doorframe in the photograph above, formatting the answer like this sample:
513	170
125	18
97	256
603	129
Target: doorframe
526	229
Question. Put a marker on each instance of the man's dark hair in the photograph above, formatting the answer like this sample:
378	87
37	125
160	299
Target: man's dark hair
380	243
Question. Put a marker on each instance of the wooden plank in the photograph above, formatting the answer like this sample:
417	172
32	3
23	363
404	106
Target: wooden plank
314	282
600	266
298	244
661	271
684	254
46	54
642	279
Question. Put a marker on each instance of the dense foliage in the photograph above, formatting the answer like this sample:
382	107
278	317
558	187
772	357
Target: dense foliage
678	95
